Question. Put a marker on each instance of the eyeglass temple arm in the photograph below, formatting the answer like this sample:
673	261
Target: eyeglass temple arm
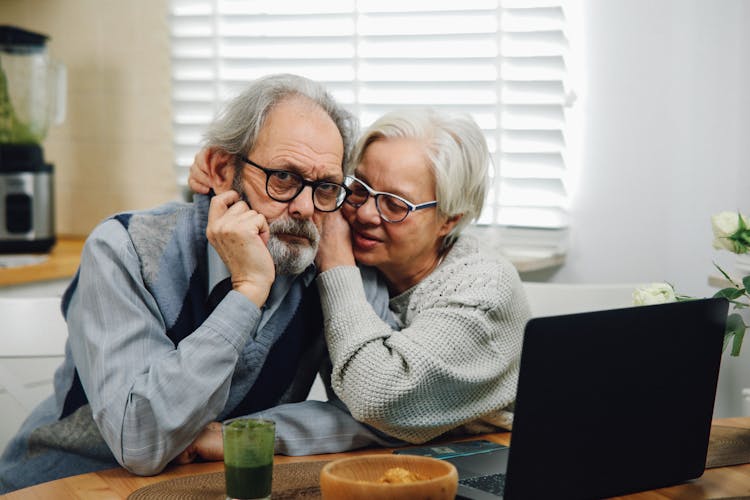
424	205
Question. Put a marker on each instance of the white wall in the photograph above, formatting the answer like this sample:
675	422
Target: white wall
666	144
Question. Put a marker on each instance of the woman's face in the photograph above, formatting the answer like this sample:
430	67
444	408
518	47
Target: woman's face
407	251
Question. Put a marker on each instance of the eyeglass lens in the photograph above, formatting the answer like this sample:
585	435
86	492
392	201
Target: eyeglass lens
285	186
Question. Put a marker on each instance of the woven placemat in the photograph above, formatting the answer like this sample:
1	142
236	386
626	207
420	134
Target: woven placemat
298	480
728	446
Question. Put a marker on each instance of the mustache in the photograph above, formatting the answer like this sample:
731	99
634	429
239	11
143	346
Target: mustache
301	228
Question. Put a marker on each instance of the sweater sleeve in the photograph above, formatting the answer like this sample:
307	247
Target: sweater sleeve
454	362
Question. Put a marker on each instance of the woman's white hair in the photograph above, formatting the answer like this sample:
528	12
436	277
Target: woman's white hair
235	129
458	155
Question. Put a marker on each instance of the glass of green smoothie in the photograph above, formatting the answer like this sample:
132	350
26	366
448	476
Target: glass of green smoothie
248	457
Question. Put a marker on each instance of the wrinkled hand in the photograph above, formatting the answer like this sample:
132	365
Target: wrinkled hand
240	234
208	446
335	248
199	181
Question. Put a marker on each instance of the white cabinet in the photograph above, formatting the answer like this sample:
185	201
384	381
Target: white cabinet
52	288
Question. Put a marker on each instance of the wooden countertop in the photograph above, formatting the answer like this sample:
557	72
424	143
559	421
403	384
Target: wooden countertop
62	263
66	254
721	482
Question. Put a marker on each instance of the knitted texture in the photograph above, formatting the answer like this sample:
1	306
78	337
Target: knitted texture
454	363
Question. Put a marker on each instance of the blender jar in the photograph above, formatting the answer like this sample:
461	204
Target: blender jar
32	87
32	96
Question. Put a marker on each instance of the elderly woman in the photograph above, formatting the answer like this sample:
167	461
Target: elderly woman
418	178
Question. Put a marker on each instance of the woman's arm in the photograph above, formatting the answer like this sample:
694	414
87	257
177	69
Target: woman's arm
455	360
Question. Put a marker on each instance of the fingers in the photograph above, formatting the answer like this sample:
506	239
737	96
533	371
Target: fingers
214	426
208	445
221	203
196	185
187	456
335	243
230	219
199	180
240	236
238	218
201	161
264	231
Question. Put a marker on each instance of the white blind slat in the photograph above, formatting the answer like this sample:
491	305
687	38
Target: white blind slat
502	61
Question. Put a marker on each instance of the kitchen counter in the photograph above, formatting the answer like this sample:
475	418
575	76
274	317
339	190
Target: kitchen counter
66	254
61	263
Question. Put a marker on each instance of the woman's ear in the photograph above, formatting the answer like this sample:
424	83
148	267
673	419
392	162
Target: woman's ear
221	170
449	224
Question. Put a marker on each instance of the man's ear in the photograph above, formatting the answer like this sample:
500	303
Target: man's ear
220	169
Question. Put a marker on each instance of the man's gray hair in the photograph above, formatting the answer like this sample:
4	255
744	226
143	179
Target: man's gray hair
457	152
235	129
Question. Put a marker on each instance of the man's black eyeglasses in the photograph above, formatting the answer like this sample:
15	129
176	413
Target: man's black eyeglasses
284	186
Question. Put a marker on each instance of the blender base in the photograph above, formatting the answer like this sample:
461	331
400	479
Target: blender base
27	246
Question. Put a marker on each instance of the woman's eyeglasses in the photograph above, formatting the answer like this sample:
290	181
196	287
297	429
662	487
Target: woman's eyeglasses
391	207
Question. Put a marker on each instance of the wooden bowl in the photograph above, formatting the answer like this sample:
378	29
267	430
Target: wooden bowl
360	478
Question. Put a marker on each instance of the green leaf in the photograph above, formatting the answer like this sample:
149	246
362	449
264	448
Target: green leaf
727	336
746	282
736	328
723	273
741	224
737	344
729	293
684	298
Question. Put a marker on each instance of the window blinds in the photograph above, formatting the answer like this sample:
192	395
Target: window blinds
504	62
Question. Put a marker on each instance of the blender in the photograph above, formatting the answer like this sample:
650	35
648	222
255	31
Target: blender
32	96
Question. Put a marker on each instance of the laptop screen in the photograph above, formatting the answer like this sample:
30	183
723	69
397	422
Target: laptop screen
615	401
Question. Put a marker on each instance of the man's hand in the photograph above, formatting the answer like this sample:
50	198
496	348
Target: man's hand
335	247
199	181
240	234
208	446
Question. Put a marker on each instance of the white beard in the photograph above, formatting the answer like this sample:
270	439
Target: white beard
292	258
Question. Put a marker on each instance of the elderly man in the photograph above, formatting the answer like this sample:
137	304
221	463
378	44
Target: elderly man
188	314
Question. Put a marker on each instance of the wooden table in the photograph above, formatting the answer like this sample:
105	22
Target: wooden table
62	263
118	483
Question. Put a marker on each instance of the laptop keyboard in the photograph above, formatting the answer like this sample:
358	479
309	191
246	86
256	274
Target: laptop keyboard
492	483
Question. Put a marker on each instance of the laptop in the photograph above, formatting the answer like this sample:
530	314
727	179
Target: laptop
608	403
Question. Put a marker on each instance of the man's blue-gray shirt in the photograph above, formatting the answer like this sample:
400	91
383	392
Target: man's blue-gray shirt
154	365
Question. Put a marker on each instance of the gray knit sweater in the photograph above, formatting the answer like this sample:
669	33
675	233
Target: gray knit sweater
454	363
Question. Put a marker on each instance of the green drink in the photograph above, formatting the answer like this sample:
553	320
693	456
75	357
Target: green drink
248	457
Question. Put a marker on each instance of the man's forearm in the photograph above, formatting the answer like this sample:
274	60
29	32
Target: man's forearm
315	427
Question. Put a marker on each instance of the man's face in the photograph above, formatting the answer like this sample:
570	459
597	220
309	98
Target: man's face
300	137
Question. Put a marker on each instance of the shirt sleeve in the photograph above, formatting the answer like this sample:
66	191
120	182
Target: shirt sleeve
315	427
455	361
149	398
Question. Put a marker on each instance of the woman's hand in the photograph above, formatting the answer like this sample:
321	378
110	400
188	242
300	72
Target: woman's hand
240	235
198	180
208	446
335	248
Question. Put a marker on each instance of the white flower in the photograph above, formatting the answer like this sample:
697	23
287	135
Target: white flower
724	225
655	293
